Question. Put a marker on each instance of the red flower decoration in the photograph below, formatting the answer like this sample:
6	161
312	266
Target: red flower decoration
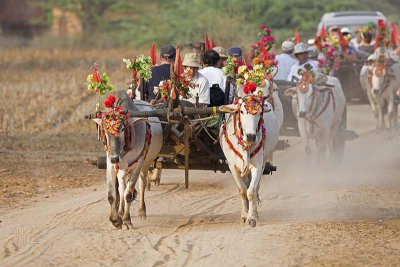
112	99
249	88
108	103
118	109
262	26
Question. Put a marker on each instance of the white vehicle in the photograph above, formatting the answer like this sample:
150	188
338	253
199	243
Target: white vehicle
350	19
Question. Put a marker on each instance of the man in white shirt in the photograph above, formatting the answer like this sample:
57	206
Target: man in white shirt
200	88
285	60
301	54
215	77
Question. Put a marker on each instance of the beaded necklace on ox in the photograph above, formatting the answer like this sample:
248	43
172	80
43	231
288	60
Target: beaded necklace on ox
253	106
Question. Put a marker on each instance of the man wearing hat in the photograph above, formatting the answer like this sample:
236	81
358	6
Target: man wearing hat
285	60
161	72
236	53
199	86
222	56
301	53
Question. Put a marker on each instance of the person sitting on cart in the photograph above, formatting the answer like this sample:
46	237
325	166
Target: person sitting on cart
161	72
285	60
301	54
223	58
199	90
214	76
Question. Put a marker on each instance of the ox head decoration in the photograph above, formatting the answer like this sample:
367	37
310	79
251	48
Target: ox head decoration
378	78
115	127
303	90
248	112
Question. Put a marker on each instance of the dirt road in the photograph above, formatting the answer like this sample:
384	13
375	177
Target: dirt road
338	215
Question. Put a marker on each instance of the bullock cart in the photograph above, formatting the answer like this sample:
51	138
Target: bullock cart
191	137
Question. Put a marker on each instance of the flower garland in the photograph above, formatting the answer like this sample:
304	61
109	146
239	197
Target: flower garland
307	68
141	68
183	86
329	61
97	84
382	35
231	68
266	40
112	119
164	88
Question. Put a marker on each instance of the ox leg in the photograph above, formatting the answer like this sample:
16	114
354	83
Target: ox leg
390	112
112	196
142	188
242	191
252	196
121	176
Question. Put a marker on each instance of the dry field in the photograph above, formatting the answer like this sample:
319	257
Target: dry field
54	210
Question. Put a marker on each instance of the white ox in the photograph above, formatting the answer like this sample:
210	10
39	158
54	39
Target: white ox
381	80
319	111
132	145
247	138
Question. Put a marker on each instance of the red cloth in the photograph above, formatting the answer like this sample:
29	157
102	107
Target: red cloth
297	38
96	75
342	41
322	32
153	54
178	67
208	46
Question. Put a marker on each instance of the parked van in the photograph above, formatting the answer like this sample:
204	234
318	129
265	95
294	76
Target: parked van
349	19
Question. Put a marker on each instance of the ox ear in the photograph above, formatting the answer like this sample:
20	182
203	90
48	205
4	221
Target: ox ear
98	121
133	121
290	92
228	108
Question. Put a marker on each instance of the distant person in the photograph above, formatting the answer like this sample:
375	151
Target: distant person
285	60
161	72
301	54
236	53
200	88
365	49
215	78
356	41
222	57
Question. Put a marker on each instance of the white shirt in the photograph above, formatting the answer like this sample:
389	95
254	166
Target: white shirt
295	68
201	89
285	62
214	76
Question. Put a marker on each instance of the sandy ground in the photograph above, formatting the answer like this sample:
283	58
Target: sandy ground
311	215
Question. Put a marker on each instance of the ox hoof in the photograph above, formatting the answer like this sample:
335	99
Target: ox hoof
127	226
143	217
252	223
117	223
